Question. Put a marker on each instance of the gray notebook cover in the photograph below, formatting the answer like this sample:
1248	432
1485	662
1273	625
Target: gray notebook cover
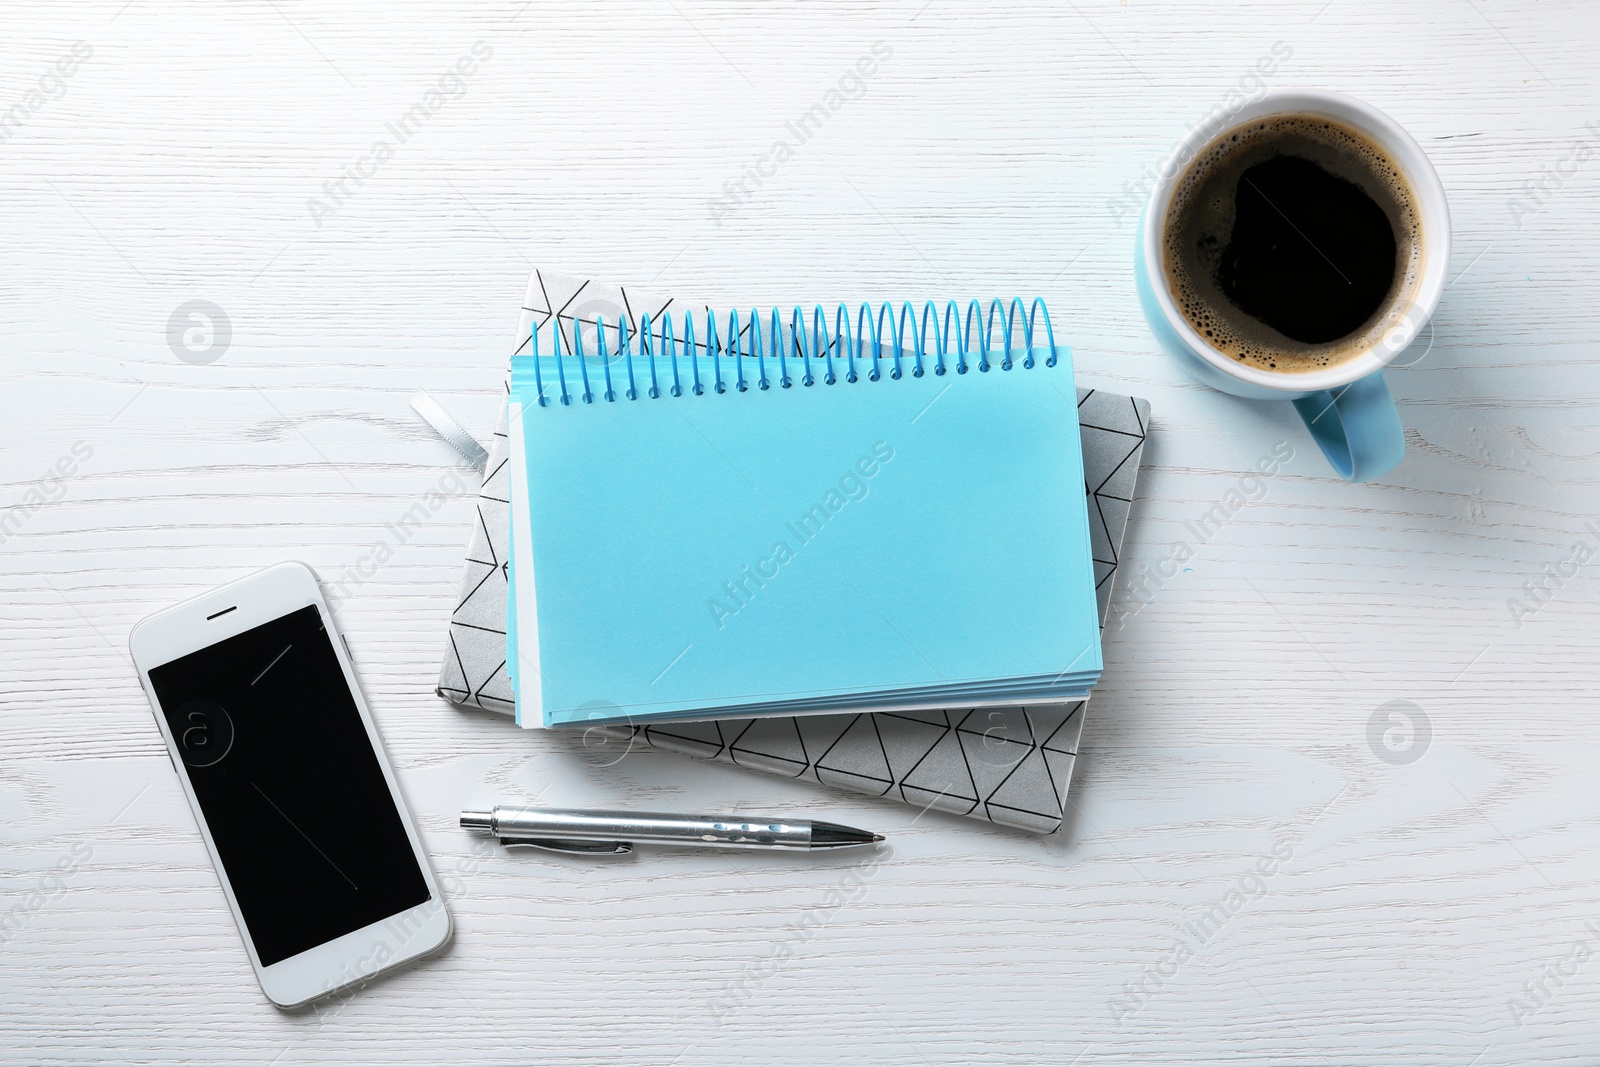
1010	766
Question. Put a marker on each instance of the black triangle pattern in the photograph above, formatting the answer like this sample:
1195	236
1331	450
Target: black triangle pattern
771	745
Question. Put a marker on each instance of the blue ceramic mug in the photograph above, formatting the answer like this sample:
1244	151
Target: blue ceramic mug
1347	407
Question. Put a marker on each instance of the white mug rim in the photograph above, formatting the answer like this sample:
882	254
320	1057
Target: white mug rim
1390	136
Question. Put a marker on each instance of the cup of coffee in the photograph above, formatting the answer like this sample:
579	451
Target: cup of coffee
1290	251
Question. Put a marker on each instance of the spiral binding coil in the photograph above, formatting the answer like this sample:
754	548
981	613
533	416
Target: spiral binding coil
657	346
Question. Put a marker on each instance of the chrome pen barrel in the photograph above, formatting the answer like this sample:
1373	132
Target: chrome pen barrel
636	826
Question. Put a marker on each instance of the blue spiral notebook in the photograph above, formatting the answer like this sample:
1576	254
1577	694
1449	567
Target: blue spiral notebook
786	519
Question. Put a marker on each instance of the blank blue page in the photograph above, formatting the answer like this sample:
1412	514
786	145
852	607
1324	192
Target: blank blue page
791	544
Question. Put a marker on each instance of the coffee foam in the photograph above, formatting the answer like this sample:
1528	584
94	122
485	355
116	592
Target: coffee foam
1200	221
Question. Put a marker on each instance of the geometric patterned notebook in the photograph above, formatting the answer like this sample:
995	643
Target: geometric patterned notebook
1010	766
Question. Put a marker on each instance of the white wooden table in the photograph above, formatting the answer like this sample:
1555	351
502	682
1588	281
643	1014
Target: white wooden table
1441	906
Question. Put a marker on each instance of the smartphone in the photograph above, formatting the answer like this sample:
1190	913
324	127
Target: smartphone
321	863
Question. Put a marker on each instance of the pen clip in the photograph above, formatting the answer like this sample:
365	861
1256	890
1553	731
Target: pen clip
577	848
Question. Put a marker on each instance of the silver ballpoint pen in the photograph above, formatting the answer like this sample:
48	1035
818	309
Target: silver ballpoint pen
615	832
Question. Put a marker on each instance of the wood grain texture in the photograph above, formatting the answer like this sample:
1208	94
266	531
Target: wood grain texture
985	157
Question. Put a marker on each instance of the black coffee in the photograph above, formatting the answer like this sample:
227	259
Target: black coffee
1288	242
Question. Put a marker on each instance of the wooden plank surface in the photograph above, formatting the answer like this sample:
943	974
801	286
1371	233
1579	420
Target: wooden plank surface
1436	911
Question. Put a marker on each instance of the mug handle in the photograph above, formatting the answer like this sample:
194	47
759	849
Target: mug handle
1357	427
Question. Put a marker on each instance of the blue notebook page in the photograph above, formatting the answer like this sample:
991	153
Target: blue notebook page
869	543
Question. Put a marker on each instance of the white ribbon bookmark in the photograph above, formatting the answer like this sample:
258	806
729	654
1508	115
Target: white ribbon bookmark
451	431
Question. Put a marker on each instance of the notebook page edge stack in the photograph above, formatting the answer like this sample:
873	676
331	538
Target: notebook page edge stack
522	634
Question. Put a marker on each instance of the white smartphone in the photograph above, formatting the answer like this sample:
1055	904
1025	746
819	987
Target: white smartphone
319	859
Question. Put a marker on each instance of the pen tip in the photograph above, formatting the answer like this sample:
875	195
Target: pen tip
477	820
832	835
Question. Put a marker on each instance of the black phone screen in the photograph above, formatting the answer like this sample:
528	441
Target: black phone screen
292	791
